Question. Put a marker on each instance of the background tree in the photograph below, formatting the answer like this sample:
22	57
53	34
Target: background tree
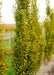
48	32
52	28
36	38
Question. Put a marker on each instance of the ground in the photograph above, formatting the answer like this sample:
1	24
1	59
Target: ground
47	68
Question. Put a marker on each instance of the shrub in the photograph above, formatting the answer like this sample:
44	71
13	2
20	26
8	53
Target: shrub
11	28
7	28
14	28
1	28
3	66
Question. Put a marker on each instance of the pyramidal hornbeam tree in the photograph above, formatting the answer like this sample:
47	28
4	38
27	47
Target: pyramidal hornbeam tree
37	40
52	29
21	43
48	32
28	45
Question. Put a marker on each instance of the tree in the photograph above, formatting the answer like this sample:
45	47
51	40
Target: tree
48	33
36	38
28	44
22	43
52	29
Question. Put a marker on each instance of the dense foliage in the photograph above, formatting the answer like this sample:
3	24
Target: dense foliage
36	38
52	29
28	44
2	54
31	43
8	29
48	25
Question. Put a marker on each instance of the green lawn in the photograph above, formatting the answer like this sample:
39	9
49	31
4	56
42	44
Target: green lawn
9	59
10	67
4	32
7	43
10	32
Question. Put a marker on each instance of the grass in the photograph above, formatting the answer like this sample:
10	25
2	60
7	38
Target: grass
10	32
9	58
7	43
10	68
7	32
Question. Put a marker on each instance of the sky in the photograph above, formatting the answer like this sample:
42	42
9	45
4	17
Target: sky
8	15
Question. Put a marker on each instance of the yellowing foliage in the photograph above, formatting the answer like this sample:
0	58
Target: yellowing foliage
2	55
12	28
49	33
28	45
1	28
7	28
